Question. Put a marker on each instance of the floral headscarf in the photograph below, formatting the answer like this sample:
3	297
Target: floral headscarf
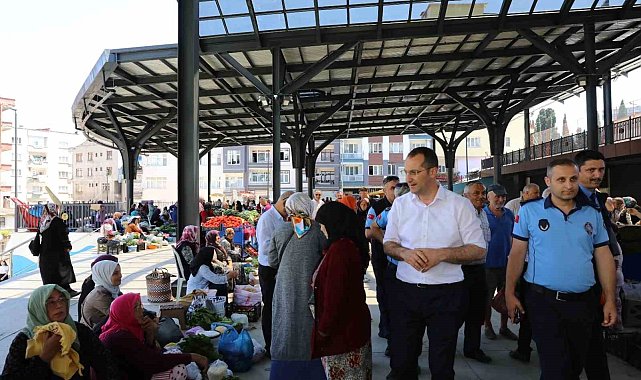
122	317
190	235
210	238
300	209
48	214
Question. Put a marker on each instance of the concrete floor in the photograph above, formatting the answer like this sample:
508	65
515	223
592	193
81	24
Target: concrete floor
14	295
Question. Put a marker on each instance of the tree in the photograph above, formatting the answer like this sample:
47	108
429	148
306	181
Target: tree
623	111
545	120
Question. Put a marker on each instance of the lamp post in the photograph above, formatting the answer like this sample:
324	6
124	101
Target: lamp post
15	166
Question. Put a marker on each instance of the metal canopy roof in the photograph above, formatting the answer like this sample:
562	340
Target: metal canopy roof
358	68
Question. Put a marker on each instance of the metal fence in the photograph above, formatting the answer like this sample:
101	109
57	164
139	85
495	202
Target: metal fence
624	130
81	215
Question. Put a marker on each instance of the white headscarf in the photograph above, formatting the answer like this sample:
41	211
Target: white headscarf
101	274
48	214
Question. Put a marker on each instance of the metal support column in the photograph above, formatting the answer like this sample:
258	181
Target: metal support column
608	126
526	131
209	176
590	89
277	82
450	155
130	167
188	51
310	167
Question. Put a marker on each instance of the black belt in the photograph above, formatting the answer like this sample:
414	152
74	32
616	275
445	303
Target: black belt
437	286
561	296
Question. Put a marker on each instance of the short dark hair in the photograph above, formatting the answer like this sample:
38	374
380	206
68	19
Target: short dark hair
559	162
430	160
388	179
587	155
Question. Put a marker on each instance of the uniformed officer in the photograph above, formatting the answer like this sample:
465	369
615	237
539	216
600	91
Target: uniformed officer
562	234
378	226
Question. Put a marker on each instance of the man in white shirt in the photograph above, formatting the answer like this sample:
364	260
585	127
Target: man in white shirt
268	223
318	202
530	191
431	231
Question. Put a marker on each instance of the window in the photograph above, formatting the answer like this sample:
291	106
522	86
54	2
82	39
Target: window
259	176
156	183
284	176
352	170
96	154
259	156
3	222
64	189
109	170
442	169
157	160
89	156
63	144
420	142
396	147
109	155
375	169
36	189
325	176
63	174
89	172
507	142
105	186
78	157
64	159
219	159
473	142
392	169
233	182
233	157
100	154
351	148
77	188
79	173
376	147
19	140
327	156
284	156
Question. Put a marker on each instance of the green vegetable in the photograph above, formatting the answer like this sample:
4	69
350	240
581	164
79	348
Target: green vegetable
199	344
202	317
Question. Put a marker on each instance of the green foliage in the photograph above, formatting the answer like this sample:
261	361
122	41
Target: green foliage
545	120
199	344
623	111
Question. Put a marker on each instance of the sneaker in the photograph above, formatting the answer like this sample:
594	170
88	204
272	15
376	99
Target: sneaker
479	356
520	356
508	334
489	333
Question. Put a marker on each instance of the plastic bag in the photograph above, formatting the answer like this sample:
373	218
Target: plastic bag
247	295
217	370
259	351
218	305
237	349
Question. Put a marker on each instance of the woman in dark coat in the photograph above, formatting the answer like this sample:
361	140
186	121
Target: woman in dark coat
55	262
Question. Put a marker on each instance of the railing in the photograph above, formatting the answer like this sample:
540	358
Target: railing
352	156
624	130
353	178
80	215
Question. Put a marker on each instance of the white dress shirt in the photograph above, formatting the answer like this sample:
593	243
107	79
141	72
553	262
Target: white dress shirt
268	223
450	221
514	205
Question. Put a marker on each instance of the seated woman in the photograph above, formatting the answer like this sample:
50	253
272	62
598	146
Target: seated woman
107	277
212	239
204	275
108	228
228	245
133	226
155	218
130	337
88	284
118	222
188	245
50	303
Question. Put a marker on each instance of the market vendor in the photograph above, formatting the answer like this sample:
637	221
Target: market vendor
228	245
133	226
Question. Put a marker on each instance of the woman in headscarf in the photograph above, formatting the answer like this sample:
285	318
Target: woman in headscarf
348	201
155	218
228	245
55	262
204	275
295	253
88	284
126	336
107	276
189	244
341	336
212	241
108	228
50	303
133	225
117	222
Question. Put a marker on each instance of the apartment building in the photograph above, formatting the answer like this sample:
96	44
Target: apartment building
97	173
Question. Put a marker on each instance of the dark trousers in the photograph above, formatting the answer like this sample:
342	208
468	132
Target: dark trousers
525	327
596	364
379	264
390	278
476	286
267	280
562	331
441	309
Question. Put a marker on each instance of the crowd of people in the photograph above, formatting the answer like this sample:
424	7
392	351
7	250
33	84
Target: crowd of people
440	260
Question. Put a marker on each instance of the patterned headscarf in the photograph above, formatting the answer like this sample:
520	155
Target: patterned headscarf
48	214
122	317
210	238
190	235
101	274
300	209
37	310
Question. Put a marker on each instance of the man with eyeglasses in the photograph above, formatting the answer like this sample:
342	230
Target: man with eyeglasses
379	259
431	232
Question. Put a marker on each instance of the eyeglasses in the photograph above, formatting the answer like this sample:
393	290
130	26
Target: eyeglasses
412	173
54	302
317	195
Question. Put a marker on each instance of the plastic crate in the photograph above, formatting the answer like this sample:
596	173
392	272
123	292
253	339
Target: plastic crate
631	313
253	313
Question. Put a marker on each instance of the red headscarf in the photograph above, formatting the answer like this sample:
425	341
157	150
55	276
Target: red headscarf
349	201
121	317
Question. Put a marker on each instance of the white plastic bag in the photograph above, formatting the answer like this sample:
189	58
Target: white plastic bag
259	352
247	295
219	305
217	370
240	318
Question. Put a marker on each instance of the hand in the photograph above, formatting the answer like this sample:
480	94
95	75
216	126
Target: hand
416	258
634	211
513	304
200	360
434	257
609	314
149	326
51	347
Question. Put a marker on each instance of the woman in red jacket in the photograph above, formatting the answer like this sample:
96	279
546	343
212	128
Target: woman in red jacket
341	336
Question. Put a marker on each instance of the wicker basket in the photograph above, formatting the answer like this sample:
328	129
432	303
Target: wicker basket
159	285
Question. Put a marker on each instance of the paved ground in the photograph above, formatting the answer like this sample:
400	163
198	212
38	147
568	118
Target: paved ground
14	295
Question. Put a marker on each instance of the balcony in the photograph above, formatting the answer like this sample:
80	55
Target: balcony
352	156
6	147
37	163
6	167
353	178
36	148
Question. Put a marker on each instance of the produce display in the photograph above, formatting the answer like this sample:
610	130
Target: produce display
204	317
229	222
250	215
199	344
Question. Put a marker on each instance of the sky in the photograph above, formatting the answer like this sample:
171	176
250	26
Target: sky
47	49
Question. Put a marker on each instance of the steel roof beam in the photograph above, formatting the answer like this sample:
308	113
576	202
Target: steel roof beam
211	146
630	44
229	61
563	57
